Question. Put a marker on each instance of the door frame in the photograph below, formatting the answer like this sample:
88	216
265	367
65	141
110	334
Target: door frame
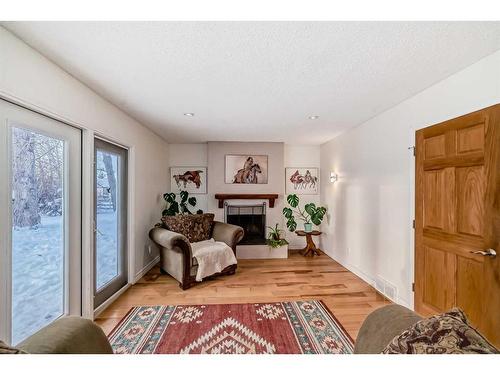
88	134
411	209
72	304
130	253
5	237
88	309
103	145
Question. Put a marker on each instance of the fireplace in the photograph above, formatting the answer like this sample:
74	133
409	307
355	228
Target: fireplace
252	219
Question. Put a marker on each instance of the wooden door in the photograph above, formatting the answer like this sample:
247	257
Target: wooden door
457	213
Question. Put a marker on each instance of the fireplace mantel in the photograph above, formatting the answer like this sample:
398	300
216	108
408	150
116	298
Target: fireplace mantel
223	197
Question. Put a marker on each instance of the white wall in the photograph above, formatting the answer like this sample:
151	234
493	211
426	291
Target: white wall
371	206
27	75
302	157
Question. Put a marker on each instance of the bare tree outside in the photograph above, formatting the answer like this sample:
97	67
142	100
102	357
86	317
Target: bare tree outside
25	194
106	182
37	231
107	217
37	177
110	174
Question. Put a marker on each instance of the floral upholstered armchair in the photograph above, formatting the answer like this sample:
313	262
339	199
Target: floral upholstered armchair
186	240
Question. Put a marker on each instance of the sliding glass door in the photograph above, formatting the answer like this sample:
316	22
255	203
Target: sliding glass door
40	221
110	229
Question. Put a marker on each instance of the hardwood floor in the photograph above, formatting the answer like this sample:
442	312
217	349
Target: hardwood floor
296	278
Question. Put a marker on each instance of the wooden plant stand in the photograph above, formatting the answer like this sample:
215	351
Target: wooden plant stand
310	248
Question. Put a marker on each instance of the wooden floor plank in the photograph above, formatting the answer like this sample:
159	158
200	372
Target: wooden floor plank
256	281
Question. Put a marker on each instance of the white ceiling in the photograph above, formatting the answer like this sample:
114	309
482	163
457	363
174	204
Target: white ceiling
258	81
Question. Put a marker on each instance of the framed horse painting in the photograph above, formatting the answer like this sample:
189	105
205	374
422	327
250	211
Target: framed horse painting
302	180
191	179
246	169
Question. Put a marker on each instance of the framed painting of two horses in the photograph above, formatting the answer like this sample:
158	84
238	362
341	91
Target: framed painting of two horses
302	180
191	179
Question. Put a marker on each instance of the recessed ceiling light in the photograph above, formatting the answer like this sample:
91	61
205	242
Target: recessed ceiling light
313	117
189	114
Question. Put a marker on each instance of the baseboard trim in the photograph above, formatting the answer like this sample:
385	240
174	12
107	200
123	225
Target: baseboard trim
145	269
103	306
368	279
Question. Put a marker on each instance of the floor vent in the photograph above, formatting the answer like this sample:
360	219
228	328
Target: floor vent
386	288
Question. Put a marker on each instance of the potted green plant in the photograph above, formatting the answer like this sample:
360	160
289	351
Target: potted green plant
175	207
274	239
311	214
182	207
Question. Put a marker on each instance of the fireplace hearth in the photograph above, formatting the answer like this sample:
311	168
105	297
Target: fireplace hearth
252	219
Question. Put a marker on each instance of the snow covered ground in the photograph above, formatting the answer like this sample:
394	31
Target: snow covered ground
107	260
38	271
37	279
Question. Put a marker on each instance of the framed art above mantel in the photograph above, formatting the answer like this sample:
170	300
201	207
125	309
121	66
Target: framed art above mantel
246	169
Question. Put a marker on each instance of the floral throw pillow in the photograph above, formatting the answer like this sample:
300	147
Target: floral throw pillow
195	227
448	333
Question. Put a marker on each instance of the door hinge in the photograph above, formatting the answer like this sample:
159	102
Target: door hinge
412	287
413	224
413	149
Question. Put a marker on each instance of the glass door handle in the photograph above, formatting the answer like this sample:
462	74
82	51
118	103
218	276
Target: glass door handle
487	253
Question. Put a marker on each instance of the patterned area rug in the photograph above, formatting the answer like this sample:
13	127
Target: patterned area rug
261	328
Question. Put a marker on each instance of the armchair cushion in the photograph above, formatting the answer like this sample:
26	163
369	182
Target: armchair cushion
448	333
194	227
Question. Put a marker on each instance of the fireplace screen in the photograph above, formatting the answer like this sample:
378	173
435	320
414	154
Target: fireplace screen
252	219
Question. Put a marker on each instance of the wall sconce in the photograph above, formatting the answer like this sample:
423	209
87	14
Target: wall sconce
333	177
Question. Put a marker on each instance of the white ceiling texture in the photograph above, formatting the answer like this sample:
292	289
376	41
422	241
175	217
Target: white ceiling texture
258	81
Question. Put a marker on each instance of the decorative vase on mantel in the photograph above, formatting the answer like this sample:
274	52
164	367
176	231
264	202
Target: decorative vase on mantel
308	227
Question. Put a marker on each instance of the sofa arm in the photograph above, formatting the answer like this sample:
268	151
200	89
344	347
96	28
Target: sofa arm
170	240
68	335
228	233
381	326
